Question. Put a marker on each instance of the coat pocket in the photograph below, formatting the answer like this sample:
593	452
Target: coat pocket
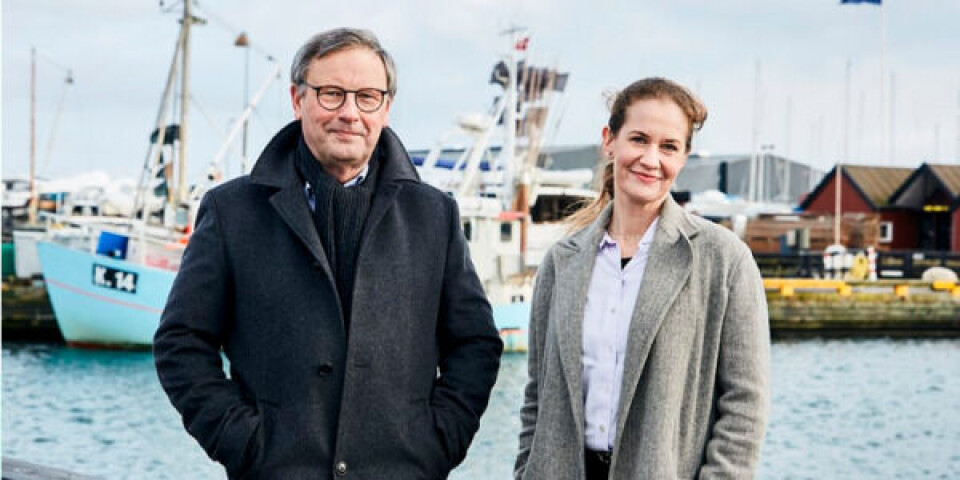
252	455
423	439
256	449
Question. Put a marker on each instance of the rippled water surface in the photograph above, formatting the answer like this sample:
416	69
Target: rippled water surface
841	409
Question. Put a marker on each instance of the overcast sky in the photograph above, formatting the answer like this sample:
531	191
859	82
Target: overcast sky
119	52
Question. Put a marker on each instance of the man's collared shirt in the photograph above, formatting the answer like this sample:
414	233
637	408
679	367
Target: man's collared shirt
606	325
308	190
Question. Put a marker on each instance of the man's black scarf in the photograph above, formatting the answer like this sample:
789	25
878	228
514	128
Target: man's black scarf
339	215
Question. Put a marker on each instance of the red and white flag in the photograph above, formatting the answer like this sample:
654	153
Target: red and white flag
522	44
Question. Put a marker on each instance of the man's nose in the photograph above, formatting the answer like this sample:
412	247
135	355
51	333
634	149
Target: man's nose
349	108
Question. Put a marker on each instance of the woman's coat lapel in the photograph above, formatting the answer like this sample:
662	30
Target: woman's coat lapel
668	268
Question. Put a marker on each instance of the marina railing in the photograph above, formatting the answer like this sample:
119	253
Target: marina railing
894	264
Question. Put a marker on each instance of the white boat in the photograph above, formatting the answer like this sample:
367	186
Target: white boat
87	199
510	206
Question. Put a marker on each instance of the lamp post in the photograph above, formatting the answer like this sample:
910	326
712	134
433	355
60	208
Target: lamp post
243	42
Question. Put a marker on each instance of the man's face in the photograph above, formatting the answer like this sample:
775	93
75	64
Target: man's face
344	138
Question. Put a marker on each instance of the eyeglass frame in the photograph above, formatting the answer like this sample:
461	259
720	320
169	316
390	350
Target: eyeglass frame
356	99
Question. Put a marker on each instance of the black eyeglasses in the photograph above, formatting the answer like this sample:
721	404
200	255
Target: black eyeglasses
331	97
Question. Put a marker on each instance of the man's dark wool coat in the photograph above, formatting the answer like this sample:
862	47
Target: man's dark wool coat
400	397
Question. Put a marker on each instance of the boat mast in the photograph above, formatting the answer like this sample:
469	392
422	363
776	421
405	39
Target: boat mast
243	42
33	206
32	211
155	151
508	151
180	194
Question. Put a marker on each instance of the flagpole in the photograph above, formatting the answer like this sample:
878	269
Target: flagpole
885	114
838	175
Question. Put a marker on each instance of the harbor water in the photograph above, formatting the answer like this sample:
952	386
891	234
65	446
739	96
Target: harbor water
841	409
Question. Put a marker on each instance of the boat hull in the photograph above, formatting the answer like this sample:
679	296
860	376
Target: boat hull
92	315
512	320
104	311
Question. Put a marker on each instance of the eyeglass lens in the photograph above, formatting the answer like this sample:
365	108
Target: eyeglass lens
367	99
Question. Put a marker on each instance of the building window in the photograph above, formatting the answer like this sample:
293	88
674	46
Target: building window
467	229
506	231
886	232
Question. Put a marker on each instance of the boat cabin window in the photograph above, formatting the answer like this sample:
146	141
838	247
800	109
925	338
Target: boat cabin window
553	208
468	229
506	231
16	185
516	299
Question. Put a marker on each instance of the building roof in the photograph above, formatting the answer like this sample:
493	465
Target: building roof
949	175
875	184
924	180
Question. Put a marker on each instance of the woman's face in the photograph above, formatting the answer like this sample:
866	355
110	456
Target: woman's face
649	151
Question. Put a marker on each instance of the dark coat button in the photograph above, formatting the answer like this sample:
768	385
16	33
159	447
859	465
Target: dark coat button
342	468
325	368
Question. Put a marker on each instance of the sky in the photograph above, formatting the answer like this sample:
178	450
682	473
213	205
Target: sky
772	73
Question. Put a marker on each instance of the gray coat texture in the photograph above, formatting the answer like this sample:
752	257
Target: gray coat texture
400	397
695	391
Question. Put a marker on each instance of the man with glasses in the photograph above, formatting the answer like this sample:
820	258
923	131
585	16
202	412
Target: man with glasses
340	289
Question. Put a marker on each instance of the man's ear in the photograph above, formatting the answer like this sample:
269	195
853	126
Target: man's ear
295	99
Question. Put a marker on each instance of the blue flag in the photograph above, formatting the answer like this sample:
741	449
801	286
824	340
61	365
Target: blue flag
875	2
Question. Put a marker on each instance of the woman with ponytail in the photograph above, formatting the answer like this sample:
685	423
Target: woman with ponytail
649	344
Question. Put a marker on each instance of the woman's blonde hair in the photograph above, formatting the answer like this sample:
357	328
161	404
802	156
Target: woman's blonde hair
644	89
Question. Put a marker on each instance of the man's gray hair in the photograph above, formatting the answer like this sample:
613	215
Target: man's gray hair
325	43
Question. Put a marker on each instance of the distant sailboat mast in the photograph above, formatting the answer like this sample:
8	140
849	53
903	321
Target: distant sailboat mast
34	196
32	215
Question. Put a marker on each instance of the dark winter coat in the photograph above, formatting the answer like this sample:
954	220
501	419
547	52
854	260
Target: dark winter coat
400	397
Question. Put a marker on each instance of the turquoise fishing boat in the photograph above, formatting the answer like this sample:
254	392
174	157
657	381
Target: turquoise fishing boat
101	301
108	278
